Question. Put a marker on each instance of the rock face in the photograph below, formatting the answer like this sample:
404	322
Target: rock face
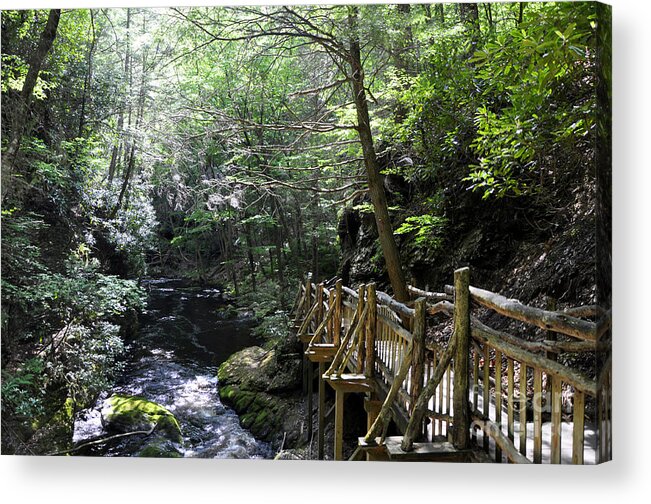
261	386
122	413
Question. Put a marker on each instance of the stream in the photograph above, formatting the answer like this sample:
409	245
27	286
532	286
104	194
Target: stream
173	361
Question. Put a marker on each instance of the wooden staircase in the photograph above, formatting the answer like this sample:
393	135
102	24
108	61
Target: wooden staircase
438	450
349	382
321	352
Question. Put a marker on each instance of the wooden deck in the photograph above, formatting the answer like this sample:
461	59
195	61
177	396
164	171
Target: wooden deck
510	390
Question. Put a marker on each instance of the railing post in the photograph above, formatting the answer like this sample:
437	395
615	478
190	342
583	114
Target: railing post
331	325
418	358
310	365
361	292
308	306
371	327
461	419
308	293
319	304
337	315
321	418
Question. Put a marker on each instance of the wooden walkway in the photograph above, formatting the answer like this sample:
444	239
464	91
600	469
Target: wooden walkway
483	390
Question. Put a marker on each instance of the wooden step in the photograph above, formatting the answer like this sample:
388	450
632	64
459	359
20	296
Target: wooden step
369	451
350	382
321	352
438	451
305	338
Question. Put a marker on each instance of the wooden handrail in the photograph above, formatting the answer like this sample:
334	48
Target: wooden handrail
505	444
568	375
369	316
432	296
396	306
549	320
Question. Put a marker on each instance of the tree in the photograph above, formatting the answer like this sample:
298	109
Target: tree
289	24
35	63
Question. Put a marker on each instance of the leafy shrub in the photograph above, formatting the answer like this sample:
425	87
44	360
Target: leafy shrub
23	391
427	230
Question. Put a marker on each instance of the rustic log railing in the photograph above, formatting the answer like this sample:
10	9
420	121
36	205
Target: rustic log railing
487	388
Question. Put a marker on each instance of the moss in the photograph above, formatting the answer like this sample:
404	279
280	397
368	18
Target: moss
159	451
129	413
247	420
243	400
261	422
228	392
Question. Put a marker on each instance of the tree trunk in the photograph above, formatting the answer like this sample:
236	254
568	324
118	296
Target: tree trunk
115	154
469	14
89	77
375	184
250	257
35	63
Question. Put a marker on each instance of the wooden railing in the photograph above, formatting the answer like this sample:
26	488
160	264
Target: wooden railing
509	395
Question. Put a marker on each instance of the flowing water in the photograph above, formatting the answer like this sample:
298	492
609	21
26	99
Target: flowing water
173	361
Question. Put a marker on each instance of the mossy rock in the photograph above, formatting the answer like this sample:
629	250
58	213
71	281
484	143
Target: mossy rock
249	381
124	413
260	370
160	450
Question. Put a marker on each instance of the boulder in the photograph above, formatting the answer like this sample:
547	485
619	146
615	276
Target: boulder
259	386
160	449
123	413
259	370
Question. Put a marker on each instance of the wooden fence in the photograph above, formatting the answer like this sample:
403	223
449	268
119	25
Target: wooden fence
503	393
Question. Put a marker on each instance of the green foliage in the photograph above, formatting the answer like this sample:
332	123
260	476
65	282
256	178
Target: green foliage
87	362
427	230
547	60
264	301
22	390
274	327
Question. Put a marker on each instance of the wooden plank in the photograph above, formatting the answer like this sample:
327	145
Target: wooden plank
435	296
322	412
578	419
550	347
439	391
418	350
537	415
548	320
330	329
440	451
420	408
396	306
384	415
556	420
337	320
600	425
310	394
448	402
505	444
371	331
396	327
475	387
350	292
523	409
485	386
350	382
462	342
575	378
339	426
318	318
498	400
511	399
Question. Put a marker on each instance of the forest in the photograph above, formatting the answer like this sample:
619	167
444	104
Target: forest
236	149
